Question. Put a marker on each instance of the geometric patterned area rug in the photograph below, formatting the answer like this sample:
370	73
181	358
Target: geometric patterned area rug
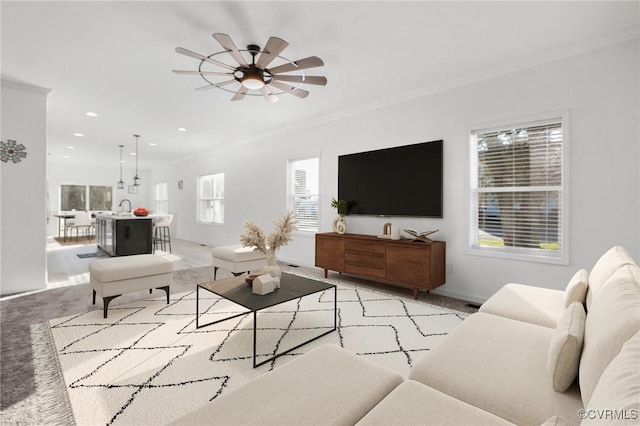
147	364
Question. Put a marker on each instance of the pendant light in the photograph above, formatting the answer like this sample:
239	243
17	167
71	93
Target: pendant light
136	179
121	182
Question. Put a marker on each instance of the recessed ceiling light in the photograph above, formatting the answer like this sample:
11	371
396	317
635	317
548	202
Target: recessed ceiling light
91	114
132	153
182	129
152	144
67	156
70	147
78	134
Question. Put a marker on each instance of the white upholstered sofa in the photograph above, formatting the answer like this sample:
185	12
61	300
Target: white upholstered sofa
530	356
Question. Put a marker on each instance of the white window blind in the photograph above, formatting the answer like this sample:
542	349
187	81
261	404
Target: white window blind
302	192
162	198
517	189
211	198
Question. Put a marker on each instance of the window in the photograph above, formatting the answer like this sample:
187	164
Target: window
162	198
85	198
302	192
100	198
517	191
211	198
73	197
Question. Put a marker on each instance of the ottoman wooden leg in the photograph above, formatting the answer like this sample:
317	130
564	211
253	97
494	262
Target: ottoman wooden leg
106	301
94	297
166	289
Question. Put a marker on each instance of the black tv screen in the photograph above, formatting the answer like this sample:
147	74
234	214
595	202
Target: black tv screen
399	181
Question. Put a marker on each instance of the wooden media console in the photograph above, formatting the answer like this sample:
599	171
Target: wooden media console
415	264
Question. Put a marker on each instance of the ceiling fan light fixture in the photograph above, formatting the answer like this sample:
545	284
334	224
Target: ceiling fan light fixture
253	83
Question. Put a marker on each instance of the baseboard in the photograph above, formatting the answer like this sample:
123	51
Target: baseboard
460	296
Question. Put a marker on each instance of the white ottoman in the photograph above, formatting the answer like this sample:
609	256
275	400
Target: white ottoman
115	276
237	259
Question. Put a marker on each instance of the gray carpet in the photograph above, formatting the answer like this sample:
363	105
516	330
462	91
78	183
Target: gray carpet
18	314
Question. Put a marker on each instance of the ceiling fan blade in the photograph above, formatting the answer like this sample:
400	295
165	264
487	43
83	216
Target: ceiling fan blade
187	52
270	97
240	93
226	42
222	83
307	79
301	93
201	72
301	64
274	47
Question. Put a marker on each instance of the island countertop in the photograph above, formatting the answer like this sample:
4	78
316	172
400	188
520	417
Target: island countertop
121	216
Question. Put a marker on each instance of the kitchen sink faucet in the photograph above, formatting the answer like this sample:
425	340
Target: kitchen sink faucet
128	201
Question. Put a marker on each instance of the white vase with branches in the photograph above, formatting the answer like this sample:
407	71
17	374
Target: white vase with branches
280	236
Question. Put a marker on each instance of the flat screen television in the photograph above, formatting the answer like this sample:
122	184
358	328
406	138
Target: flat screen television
399	181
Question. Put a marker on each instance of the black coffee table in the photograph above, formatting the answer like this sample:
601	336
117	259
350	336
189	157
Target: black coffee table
238	291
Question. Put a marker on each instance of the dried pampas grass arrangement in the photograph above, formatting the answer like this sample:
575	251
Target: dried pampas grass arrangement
254	236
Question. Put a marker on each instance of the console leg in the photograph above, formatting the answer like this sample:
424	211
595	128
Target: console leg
325	273
415	293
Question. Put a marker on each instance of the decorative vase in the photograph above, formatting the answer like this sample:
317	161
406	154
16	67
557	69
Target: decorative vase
272	267
339	224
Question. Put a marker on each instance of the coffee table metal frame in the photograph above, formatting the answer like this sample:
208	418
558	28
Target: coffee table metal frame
252	308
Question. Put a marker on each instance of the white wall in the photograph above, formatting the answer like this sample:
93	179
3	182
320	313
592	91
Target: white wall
77	174
22	187
598	88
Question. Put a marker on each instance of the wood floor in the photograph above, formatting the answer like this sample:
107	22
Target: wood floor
64	267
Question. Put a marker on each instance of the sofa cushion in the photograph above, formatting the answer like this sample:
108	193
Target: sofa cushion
327	385
566	347
557	421
576	290
535	305
499	365
413	403
615	258
618	388
613	318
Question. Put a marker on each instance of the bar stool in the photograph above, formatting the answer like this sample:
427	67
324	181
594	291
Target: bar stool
161	234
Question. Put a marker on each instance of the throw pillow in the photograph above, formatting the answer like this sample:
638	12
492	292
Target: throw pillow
565	349
618	386
577	288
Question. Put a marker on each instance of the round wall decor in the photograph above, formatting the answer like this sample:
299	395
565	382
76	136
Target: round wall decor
12	151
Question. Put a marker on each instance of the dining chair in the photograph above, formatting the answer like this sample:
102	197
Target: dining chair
82	221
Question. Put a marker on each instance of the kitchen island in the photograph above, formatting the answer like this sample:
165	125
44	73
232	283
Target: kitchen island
123	234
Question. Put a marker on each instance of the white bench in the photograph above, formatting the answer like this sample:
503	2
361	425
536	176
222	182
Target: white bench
237	259
115	276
